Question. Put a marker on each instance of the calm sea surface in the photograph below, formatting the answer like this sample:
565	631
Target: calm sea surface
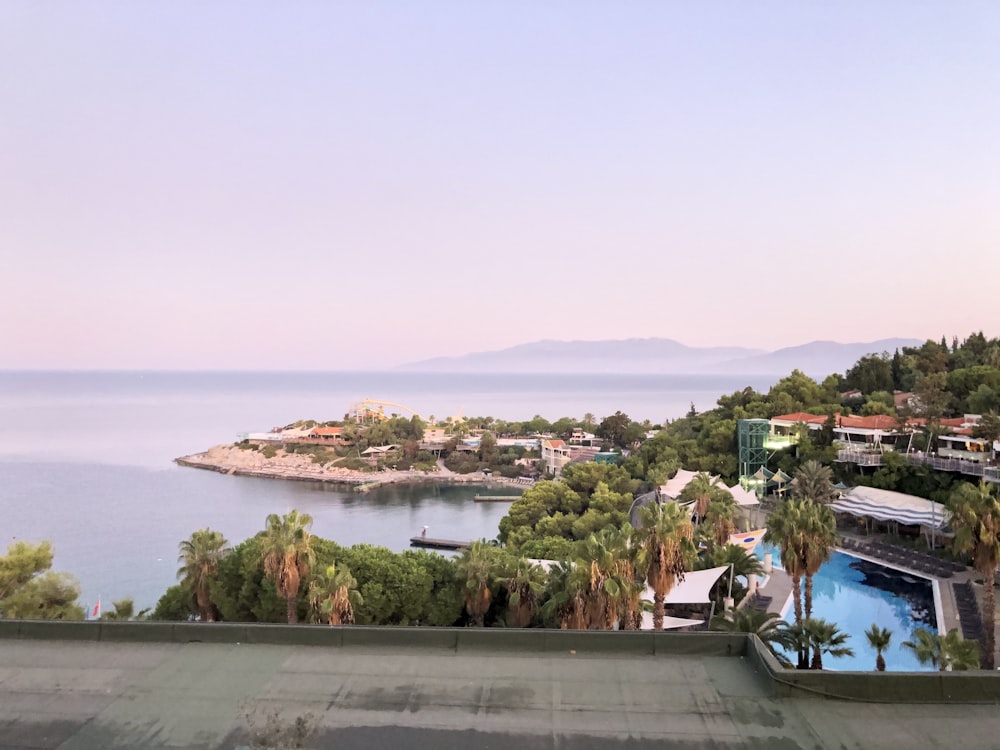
86	459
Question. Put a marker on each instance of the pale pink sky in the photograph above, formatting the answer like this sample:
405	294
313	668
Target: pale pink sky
352	185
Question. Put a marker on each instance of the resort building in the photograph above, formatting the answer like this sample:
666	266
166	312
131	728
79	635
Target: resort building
334	435
556	454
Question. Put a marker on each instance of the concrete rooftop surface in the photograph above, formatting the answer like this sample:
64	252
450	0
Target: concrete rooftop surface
71	694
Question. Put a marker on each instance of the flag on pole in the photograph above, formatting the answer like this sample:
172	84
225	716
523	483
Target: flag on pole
97	608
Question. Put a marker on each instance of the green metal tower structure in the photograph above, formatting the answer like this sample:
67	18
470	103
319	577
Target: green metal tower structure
752	434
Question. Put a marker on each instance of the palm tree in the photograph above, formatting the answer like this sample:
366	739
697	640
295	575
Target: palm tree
785	529
664	543
878	639
199	558
719	519
524	586
976	522
806	533
124	609
820	538
606	596
768	626
825	638
286	551
567	588
475	568
334	596
702	490
814	481
744	563
945	652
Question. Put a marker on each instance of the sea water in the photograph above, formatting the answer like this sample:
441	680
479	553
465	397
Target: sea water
86	459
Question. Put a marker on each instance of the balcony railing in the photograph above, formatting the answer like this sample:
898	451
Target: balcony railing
971	468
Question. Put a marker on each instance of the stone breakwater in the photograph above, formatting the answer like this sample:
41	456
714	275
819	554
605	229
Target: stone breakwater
228	459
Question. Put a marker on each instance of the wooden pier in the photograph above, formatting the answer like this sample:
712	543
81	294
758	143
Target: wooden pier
495	498
430	543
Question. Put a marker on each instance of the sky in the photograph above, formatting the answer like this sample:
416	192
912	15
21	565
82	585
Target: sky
352	185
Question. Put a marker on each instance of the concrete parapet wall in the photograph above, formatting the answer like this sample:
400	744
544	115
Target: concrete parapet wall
453	639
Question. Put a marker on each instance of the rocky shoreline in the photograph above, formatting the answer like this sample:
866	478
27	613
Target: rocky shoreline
229	459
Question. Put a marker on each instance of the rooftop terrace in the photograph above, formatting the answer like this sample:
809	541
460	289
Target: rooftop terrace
150	685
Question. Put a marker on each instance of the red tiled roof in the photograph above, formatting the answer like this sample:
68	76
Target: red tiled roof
801	416
321	431
555	443
874	422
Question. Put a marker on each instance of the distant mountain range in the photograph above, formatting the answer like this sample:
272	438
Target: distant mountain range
663	356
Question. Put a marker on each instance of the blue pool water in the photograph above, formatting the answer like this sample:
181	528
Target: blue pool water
855	593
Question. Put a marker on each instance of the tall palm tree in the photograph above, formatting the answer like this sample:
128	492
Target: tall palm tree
785	528
199	558
600	555
524	586
825	638
976	522
475	570
879	639
334	596
819	540
814	481
806	533
947	653
286	551
665	546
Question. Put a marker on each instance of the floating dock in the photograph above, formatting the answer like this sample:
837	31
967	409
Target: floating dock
429	543
496	498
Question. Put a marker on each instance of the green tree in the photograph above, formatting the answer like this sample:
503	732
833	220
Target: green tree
287	556
976	522
873	372
879	639
613	428
946	653
199	558
665	540
30	590
488	452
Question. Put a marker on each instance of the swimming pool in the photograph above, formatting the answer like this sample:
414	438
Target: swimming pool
854	593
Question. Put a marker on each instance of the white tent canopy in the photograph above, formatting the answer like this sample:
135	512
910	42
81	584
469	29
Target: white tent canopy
680	480
669	623
696	588
884	505
742	496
